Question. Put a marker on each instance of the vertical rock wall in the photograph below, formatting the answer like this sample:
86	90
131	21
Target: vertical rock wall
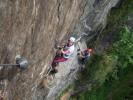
30	27
92	21
94	17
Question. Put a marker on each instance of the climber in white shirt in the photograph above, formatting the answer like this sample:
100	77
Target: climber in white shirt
66	52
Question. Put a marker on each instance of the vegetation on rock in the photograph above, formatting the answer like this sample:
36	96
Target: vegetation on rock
112	67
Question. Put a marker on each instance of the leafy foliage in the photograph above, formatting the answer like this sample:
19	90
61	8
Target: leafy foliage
116	90
118	16
112	69
123	48
106	68
98	67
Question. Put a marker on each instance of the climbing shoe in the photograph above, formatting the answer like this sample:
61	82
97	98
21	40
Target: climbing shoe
53	71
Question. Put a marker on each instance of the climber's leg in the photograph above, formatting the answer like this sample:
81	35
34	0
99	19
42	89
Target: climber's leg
81	59
57	60
55	63
58	54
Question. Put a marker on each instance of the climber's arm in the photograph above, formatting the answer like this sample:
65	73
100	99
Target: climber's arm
65	52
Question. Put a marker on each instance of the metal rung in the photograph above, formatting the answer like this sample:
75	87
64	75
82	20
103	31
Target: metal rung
21	62
9	65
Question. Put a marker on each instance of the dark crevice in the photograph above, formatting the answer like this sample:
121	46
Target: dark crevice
58	10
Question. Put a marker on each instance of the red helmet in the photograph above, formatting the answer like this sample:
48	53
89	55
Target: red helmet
89	50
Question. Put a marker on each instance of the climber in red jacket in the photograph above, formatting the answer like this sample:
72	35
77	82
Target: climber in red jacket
84	55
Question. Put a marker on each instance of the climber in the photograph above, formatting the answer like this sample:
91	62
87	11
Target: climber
83	56
64	53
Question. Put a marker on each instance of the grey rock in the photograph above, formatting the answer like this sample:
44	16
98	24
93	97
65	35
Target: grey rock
30	27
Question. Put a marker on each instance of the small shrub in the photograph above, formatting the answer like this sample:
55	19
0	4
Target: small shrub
106	66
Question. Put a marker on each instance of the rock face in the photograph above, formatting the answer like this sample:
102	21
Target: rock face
30	28
67	73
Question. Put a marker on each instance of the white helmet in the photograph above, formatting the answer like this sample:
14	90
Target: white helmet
72	39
